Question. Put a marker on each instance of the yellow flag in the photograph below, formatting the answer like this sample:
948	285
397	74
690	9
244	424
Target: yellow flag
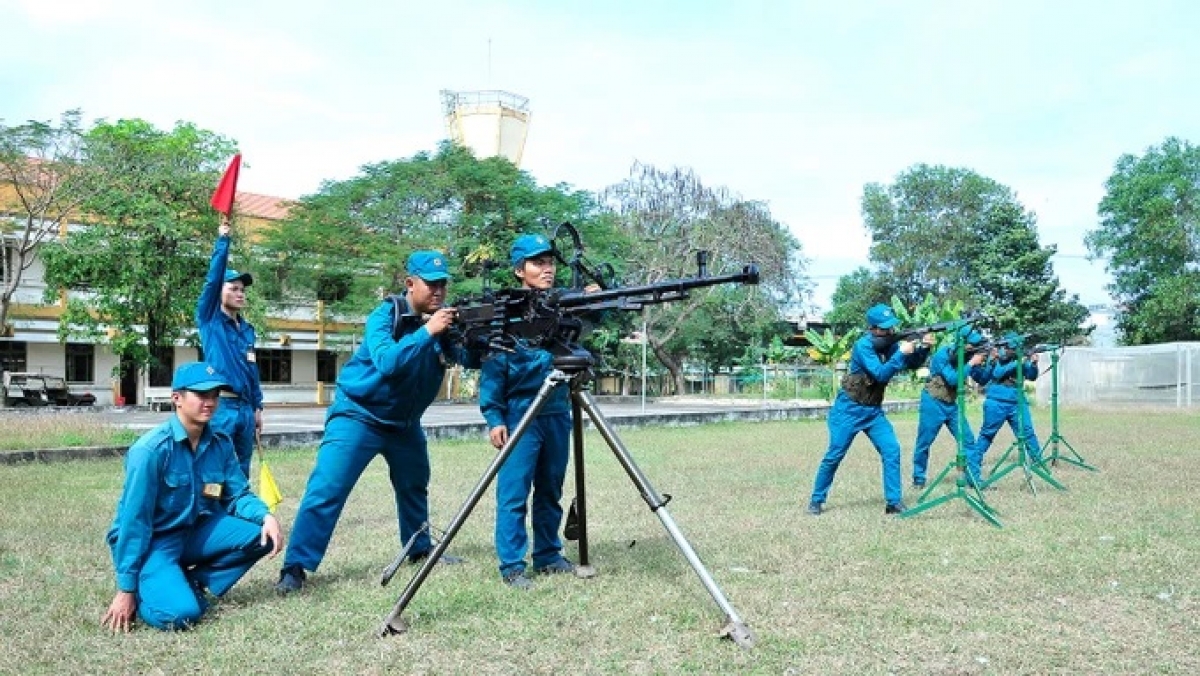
268	490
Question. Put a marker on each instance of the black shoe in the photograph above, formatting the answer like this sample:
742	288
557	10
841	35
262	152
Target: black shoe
444	559
815	508
895	508
291	579
562	565
918	484
518	580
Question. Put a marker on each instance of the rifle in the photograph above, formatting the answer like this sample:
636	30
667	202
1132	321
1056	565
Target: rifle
884	342
554	319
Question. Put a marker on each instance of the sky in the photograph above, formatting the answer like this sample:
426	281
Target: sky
797	104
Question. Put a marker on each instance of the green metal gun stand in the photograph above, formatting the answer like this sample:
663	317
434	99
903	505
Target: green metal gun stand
1031	469
1056	437
964	490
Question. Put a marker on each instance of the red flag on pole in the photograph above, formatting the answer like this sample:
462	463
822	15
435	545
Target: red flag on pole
222	199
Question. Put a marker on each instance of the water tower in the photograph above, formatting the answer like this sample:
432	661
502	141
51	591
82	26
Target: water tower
491	122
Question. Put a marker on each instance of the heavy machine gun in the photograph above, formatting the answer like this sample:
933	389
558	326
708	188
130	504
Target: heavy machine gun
554	319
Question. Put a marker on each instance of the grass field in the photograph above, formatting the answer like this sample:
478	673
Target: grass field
1101	579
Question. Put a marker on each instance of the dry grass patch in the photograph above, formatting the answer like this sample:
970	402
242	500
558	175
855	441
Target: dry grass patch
37	429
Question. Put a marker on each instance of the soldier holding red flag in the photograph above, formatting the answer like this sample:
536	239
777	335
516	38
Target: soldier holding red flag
225	335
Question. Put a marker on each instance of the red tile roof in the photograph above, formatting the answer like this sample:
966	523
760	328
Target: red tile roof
261	206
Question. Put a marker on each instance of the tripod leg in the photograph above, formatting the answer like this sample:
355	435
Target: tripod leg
734	628
394	624
584	568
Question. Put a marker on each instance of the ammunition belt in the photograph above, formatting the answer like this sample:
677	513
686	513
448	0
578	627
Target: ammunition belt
863	390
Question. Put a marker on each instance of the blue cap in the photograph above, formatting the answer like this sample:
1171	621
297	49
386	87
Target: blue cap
528	246
881	317
198	376
428	265
234	276
970	335
1014	340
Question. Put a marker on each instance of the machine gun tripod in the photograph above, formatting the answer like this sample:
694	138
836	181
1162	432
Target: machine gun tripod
574	370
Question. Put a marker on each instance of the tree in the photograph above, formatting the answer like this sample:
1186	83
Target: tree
1149	234
353	236
963	237
142	259
671	215
854	295
42	171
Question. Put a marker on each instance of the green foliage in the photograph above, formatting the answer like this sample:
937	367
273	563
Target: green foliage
671	215
41	163
829	349
1149	234
349	241
143	257
854	295
958	236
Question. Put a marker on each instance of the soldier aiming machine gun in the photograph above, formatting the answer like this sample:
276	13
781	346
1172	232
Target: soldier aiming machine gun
553	320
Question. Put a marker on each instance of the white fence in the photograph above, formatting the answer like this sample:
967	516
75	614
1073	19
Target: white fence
1154	375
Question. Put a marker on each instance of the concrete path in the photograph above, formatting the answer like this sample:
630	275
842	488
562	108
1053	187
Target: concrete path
291	426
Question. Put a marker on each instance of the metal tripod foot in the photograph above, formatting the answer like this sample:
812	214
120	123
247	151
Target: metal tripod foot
739	633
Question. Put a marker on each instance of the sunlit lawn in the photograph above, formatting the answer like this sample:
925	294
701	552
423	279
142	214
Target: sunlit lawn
1099	579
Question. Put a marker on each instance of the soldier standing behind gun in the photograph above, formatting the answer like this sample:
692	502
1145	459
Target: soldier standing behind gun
859	406
1002	404
508	384
228	342
939	400
381	394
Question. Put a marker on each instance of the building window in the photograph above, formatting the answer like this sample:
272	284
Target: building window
162	365
326	366
81	363
12	355
274	366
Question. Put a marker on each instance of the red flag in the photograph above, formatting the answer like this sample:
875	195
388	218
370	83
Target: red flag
222	199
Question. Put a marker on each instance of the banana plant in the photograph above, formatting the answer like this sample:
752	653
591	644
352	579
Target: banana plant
827	349
928	311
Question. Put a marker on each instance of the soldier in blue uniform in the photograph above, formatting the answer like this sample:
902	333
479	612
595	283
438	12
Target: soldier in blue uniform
186	521
1001	404
381	394
939	402
874	360
228	343
507	386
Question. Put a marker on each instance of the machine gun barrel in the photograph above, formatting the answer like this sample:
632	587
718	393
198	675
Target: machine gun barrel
634	297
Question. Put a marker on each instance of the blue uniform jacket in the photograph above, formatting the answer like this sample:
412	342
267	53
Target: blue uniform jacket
883	366
997	372
165	486
510	381
945	364
392	381
228	343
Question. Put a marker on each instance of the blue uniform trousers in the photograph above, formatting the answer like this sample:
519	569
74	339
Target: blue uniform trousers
235	419
934	414
213	554
538	461
995	414
348	447
846	420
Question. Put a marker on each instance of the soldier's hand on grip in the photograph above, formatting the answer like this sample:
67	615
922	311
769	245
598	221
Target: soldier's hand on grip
441	320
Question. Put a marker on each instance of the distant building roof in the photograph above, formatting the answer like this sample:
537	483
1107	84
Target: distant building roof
262	206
